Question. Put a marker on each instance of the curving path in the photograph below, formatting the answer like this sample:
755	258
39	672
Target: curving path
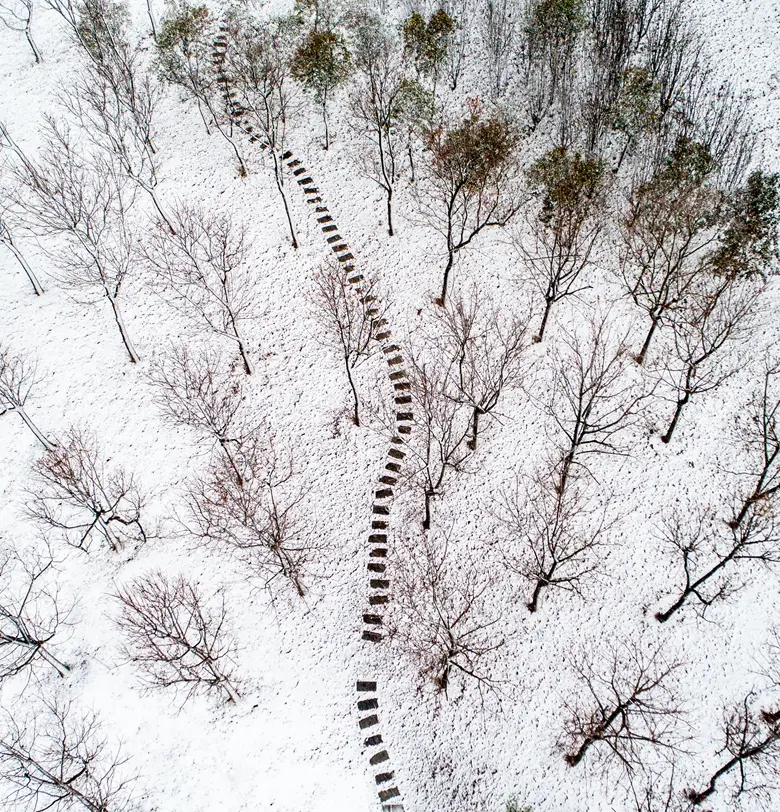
377	576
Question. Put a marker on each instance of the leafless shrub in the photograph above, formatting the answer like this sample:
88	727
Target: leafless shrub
251	505
348	318
552	540
624	707
174	638
441	620
17	379
498	31
56	759
78	495
751	748
708	554
31	613
200	262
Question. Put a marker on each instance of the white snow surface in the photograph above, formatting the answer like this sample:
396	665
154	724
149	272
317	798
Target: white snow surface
292	743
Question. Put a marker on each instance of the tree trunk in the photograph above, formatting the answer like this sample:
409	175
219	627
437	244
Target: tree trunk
108	533
203	116
37	286
45	442
547	308
327	129
160	211
445	282
677	412
248	369
640	358
30	40
427	518
151	19
280	187
56	664
223	445
534	602
355	414
662	617
134	357
389	190
472	443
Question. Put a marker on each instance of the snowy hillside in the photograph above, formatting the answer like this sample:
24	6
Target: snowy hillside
194	433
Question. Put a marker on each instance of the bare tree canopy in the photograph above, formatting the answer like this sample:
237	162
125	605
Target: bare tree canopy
441	615
18	16
18	377
79	496
59	759
624	707
174	638
349	319
31	612
72	193
202	268
251	505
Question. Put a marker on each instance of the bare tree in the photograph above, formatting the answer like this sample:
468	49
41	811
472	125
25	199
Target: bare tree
258	71
484	352
202	267
17	15
31	612
174	638
185	59
77	494
707	554
624	706
56	759
667	230
441	618
462	13
566	226
552	540
713	318
83	198
7	238
439	443
592	401
18	377
553	29
375	104
254	513
348	318
470	184
193	389
751	746
760	432
498	37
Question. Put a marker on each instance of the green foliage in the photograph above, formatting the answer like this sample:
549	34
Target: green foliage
749	243
184	26
427	44
637	105
321	62
413	105
569	184
513	805
475	151
556	22
102	26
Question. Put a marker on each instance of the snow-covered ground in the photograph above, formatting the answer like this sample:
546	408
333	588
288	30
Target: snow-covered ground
292	743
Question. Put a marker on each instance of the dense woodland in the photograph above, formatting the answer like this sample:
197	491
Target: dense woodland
592	204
